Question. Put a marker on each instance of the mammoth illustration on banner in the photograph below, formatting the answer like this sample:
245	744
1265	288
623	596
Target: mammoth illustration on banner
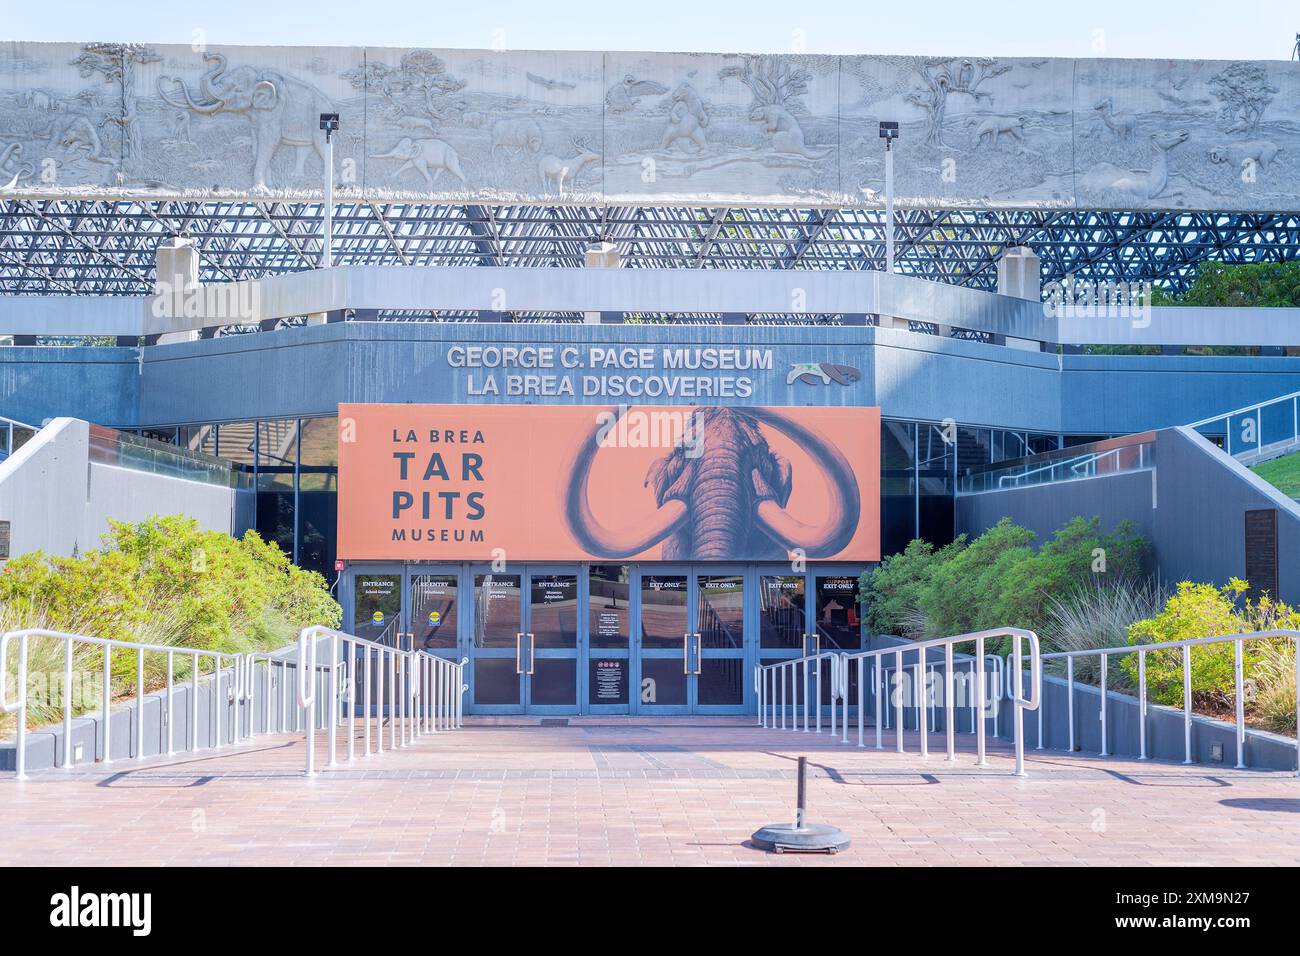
723	493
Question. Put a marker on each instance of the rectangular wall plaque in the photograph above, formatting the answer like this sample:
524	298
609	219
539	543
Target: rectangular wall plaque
1261	551
4	540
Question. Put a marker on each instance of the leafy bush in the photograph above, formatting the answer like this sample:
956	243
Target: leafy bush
996	580
896	586
162	581
1203	610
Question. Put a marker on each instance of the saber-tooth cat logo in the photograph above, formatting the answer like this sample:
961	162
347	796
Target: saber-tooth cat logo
822	373
77	909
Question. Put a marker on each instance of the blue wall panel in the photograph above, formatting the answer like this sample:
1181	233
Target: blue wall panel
97	384
308	371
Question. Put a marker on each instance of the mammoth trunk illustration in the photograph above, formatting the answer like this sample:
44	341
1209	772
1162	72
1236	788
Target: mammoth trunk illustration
722	494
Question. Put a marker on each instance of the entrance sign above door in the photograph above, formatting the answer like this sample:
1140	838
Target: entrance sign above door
566	483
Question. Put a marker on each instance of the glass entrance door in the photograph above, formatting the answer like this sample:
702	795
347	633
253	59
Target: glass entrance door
609	637
496	651
434	609
836	622
664	642
550	639
377	606
692	648
524	643
720	671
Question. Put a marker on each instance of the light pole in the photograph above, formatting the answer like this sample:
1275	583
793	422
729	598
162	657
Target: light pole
889	133
329	122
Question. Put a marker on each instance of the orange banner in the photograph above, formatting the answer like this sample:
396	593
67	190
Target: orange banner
582	482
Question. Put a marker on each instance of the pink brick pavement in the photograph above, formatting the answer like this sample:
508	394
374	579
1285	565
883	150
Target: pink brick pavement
630	792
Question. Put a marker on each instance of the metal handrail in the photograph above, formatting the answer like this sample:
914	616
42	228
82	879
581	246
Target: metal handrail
776	699
432	692
241	693
425	692
1105	653
1290	396
1073	464
1258	411
773	706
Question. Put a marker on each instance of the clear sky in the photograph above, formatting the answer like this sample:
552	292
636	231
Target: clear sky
1213	29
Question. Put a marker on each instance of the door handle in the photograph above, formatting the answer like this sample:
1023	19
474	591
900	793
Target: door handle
519	638
699	655
686	654
532	653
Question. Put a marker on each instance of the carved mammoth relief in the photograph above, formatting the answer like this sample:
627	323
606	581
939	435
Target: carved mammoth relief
722	493
424	155
283	111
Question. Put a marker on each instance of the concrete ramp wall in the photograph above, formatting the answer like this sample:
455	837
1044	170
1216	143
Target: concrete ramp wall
1192	507
58	500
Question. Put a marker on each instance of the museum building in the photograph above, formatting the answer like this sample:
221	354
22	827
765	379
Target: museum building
615	384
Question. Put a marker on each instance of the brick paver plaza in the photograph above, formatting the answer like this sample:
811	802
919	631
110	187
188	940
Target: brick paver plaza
605	791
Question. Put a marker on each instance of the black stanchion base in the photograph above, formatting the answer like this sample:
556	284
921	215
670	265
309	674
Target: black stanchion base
809	838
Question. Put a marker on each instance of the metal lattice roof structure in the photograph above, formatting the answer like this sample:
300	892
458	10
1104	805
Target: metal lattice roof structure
101	247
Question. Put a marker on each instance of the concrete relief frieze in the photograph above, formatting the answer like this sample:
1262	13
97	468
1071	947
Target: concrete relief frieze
134	120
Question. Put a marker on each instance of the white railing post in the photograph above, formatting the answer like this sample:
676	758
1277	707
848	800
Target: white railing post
1142	705
981	705
19	705
1239	690
949	712
107	702
1018	709
1104	752
334	701
67	703
306	697
351	650
922	726
365	694
1187	704
218	701
461	688
194	702
900	679
171	710
781	706
1069	693
862	684
394	711
1296	642
139	703
877	679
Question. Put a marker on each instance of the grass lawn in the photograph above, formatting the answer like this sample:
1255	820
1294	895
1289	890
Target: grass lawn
1283	473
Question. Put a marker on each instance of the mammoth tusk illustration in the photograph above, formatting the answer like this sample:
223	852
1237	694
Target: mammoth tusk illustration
841	489
729	499
588	531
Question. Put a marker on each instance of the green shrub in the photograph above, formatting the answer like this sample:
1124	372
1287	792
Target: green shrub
217	592
161	581
1203	610
896	584
996	580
